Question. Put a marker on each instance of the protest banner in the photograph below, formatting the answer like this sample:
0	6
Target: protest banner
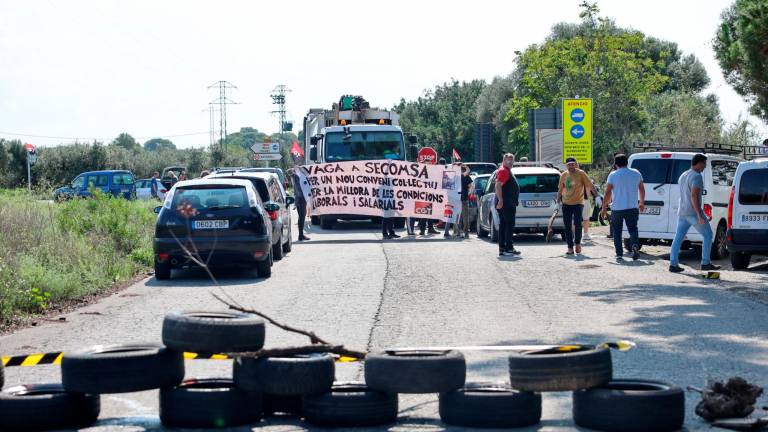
383	188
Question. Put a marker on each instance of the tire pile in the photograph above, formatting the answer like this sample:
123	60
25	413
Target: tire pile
304	386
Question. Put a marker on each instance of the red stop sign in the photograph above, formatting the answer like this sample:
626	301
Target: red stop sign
427	155
29	147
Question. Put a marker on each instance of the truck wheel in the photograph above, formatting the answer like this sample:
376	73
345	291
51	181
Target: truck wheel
162	270
740	260
630	405
719	247
277	250
46	407
264	267
326	222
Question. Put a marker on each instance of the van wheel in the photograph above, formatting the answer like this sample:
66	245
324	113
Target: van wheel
740	260
719	248
327	223
162	271
315	220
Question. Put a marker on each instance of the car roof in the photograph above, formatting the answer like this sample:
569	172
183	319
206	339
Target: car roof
753	163
213	181
483	175
653	155
250	174
107	172
534	170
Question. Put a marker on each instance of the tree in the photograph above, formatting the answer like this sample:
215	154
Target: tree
125	141
682	119
444	117
741	48
159	143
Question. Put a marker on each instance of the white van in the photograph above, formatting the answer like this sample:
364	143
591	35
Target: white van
748	213
661	171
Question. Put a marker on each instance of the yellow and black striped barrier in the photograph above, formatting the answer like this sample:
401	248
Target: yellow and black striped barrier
54	358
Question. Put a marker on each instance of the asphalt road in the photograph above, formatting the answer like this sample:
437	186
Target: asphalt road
350	287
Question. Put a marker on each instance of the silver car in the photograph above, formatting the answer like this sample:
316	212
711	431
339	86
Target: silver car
538	192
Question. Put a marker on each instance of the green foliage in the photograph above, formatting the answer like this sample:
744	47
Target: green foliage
125	141
741	48
158	144
53	253
444	117
683	119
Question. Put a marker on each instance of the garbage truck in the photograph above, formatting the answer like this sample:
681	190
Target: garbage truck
350	131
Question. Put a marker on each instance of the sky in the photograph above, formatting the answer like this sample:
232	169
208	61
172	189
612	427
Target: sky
93	69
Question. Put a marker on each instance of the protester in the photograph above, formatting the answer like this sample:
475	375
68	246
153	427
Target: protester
457	218
388	228
155	185
183	176
570	192
172	176
300	203
623	188
690	213
507	196
466	190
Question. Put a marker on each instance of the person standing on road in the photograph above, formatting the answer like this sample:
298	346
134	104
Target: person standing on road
624	186
154	186
456	225
301	202
466	189
570	192
690	213
507	196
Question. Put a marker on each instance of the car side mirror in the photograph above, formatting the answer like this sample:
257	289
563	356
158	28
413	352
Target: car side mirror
289	200
313	153
157	209
271	207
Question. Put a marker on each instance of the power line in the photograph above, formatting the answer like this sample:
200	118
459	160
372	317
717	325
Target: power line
222	102
278	98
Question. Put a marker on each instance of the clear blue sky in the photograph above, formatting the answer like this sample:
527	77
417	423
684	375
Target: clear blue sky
93	69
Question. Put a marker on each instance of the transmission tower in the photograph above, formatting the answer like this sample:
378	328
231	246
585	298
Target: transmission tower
222	102
211	124
278	98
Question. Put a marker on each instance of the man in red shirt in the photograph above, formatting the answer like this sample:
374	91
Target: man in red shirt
507	197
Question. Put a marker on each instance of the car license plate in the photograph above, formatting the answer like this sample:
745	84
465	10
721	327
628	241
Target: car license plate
538	203
754	218
210	224
653	211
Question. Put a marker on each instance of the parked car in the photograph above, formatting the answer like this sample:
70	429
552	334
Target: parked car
479	182
223	220
747	233
117	183
661	171
144	188
270	191
481	168
274	170
538	194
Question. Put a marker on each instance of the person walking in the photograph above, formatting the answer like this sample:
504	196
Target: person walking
507	196
466	190
300	203
570	193
690	213
625	192
154	186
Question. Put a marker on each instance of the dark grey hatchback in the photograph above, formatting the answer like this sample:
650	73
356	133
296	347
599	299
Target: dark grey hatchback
213	221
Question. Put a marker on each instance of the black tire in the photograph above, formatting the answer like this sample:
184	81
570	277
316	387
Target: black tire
350	404
314	220
35	407
720	244
481	233
740	260
162	270
494	232
327	222
208	403
277	250
288	245
264	267
490	405
281	405
121	368
213	332
630	405
628	246
2	375
297	375
566	371
415	371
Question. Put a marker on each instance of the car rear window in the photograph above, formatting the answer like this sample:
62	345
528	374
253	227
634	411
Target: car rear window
753	187
653	170
538	183
211	198
122	179
482	168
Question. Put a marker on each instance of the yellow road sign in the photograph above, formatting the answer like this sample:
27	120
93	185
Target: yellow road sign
577	130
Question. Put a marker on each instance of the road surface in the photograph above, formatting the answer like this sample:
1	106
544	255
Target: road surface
352	288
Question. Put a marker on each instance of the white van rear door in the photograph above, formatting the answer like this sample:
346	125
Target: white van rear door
680	164
750	203
655	171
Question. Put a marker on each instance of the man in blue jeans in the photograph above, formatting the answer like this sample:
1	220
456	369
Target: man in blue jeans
625	192
690	213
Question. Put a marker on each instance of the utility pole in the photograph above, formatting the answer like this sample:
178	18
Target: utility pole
211	125
278	98
222	102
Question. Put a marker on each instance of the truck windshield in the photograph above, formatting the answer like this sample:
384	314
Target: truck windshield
363	146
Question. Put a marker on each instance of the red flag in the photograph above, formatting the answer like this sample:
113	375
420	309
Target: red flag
456	156
297	153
